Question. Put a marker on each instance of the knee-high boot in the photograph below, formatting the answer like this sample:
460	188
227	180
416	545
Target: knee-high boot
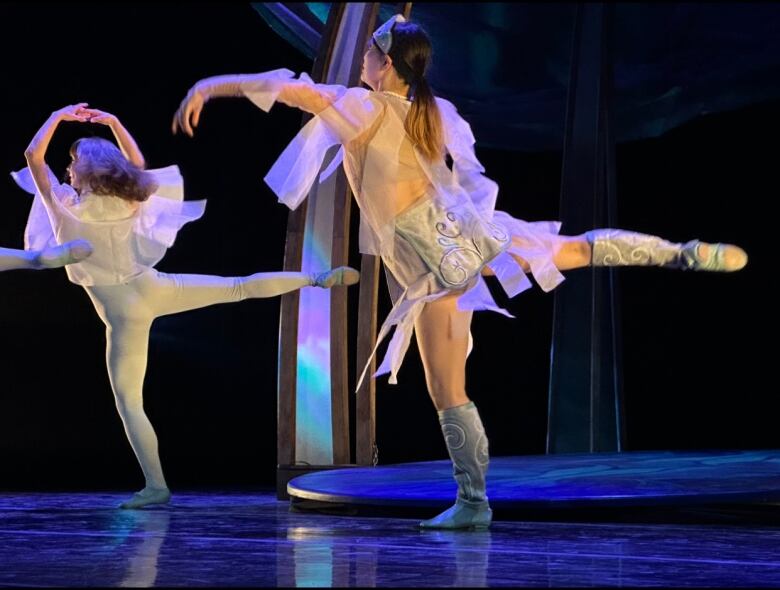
617	247
467	445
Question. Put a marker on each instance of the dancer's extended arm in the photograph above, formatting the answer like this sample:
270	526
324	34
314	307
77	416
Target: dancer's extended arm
36	151
278	84
346	116
123	138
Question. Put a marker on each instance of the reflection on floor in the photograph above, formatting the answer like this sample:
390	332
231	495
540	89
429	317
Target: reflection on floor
251	539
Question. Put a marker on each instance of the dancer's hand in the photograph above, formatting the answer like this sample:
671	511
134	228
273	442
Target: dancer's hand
188	114
72	112
98	116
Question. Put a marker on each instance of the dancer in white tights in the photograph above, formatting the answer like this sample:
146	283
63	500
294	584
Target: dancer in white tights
436	229
131	216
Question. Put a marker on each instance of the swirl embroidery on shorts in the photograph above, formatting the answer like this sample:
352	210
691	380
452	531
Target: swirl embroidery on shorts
465	255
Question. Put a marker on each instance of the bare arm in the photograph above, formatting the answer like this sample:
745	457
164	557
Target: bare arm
294	93
36	151
123	138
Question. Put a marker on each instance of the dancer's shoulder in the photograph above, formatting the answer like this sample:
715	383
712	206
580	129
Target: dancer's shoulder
65	194
456	128
444	103
366	104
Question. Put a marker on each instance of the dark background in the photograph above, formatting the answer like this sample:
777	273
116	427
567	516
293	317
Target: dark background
698	347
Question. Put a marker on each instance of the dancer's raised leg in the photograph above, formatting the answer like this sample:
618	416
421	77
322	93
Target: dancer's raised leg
617	247
51	257
172	293
128	311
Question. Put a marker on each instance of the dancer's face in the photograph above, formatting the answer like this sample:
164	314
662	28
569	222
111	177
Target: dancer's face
73	178
376	65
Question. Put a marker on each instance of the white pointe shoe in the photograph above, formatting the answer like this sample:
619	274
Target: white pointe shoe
718	257
337	277
147	496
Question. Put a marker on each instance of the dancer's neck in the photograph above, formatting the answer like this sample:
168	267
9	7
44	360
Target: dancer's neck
394	85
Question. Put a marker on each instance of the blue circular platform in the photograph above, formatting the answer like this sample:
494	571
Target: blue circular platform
562	481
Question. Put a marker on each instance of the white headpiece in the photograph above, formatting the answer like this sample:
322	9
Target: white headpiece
383	36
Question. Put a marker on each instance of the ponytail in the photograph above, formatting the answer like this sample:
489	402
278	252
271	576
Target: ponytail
411	53
423	123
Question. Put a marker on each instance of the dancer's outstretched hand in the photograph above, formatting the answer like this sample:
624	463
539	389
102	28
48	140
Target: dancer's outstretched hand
73	112
188	114
98	116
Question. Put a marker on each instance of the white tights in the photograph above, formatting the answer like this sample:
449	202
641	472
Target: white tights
50	257
128	311
11	259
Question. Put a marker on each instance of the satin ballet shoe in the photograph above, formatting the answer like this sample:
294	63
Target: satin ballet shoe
718	258
145	497
337	277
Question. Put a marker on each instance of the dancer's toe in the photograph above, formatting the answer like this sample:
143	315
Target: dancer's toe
714	257
341	276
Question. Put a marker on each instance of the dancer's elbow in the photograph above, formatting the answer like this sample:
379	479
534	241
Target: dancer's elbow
32	155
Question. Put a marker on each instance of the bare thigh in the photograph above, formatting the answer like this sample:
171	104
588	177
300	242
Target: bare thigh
568	252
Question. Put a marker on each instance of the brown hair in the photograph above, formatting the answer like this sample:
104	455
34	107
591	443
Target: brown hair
102	168
411	53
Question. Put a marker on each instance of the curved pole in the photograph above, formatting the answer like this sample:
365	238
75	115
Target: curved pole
366	450
313	413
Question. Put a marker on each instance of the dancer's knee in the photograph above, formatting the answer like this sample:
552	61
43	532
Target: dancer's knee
579	250
446	391
238	289
128	404
572	253
447	398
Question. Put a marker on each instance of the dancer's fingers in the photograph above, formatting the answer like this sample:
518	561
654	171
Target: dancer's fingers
182	116
186	119
196	114
188	114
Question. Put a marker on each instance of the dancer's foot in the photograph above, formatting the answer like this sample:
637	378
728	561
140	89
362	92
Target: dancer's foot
68	253
714	257
147	496
461	516
343	275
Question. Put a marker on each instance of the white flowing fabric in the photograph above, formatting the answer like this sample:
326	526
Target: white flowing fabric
382	167
128	238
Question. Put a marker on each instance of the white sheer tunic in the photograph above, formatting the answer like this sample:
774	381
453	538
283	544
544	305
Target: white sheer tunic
128	238
387	175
